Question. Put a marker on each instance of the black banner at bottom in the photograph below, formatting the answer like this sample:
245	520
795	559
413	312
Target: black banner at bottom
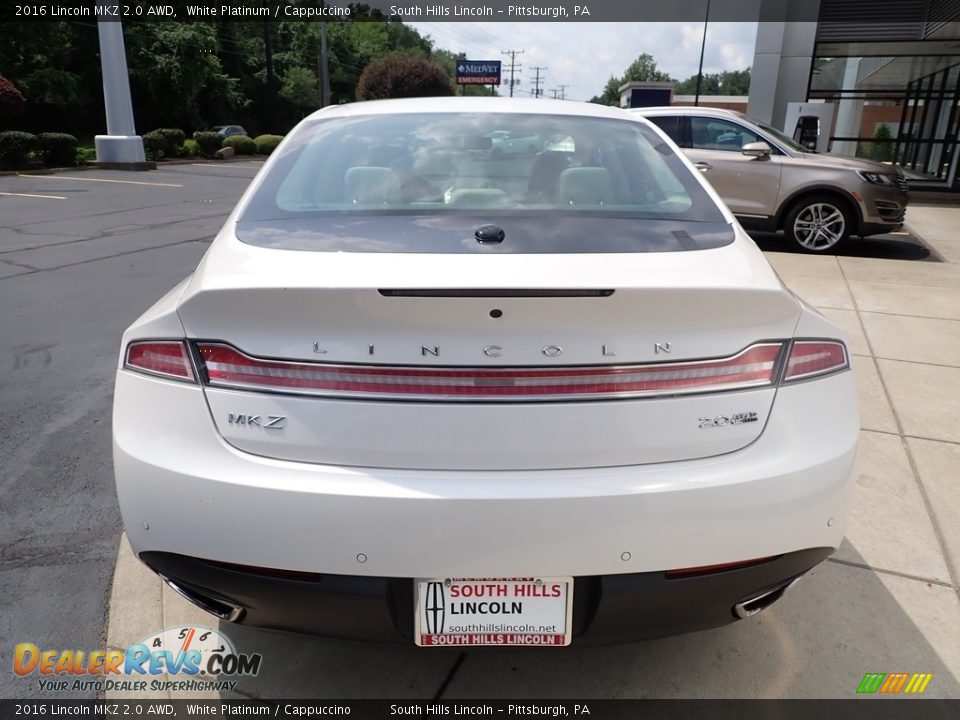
854	709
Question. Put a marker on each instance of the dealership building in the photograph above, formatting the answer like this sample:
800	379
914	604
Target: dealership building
889	71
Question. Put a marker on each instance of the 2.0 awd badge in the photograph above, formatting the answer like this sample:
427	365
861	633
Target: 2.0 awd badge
724	420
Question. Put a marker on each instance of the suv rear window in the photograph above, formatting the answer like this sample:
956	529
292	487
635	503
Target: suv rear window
442	163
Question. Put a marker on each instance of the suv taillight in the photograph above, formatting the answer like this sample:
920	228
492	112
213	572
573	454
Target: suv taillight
167	358
810	358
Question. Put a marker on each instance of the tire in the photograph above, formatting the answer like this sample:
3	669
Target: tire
818	223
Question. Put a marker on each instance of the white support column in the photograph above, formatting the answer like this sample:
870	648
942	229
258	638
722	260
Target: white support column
121	144
849	111
780	74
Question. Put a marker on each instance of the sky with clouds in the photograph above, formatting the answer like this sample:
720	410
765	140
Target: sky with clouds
583	56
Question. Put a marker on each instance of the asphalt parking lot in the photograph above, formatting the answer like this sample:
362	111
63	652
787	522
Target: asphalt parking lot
82	254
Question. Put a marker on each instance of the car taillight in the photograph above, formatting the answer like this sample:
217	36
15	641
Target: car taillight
168	358
809	358
229	368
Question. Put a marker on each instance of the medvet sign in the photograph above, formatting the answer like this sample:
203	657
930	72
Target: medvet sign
478	72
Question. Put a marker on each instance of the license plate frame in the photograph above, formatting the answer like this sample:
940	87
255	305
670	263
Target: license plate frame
495	607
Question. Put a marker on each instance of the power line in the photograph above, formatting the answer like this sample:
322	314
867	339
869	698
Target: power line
537	92
514	67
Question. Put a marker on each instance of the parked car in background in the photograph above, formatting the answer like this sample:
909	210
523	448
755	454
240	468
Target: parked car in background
770	182
419	394
228	130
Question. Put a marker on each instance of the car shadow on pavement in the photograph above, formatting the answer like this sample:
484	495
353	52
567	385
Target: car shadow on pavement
838	623
885	247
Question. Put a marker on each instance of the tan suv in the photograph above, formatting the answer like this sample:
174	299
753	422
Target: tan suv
770	182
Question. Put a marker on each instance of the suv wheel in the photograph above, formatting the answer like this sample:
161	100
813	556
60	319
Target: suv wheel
818	223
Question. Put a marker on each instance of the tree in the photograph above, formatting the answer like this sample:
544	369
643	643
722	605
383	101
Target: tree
643	69
11	101
301	88
396	76
729	82
882	149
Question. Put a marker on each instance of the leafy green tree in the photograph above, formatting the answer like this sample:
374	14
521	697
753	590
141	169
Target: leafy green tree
643	69
882	146
301	88
729	82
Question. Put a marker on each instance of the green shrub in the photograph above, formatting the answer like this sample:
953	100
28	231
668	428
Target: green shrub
241	144
154	145
86	155
190	148
398	76
266	144
15	149
57	149
208	142
173	141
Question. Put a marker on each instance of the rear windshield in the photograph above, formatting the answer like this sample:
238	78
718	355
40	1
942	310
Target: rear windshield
446	163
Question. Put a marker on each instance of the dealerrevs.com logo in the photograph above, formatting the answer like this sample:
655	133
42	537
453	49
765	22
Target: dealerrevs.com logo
189	659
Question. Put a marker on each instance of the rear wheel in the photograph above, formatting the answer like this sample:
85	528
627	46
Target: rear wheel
818	223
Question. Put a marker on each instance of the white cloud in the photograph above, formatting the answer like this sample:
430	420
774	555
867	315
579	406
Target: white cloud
584	55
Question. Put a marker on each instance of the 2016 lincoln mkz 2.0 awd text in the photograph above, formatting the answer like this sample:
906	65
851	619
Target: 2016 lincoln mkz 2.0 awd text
422	391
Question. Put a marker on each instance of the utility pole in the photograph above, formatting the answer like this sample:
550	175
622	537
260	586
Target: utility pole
271	77
513	65
563	91
537	80
703	46
324	67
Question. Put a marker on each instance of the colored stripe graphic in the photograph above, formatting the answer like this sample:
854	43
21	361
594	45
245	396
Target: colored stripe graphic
894	682
871	682
918	683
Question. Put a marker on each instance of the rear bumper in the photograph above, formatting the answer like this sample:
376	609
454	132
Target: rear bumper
183	490
606	609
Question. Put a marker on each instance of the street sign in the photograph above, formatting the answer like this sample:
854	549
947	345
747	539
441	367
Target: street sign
478	72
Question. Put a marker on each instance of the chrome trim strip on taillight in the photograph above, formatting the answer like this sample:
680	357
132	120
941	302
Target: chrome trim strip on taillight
487	384
784	380
187	355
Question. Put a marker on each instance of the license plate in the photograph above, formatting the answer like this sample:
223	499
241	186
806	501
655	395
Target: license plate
493	611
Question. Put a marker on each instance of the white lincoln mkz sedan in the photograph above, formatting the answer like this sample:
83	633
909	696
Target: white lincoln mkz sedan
419	390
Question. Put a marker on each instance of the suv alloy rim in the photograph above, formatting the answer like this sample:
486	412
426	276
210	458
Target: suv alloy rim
819	226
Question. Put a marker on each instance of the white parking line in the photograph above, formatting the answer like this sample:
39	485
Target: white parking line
103	180
30	195
245	166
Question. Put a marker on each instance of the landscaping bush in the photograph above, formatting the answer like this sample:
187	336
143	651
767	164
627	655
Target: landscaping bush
86	155
190	148
15	149
241	144
396	76
208	142
57	149
154	145
266	144
172	141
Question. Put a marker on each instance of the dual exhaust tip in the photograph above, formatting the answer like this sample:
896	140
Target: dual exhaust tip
217	606
762	600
